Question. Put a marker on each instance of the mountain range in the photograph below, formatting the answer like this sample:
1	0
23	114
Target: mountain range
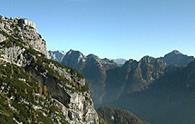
36	89
153	88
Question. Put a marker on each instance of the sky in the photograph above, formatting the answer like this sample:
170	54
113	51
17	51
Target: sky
111	28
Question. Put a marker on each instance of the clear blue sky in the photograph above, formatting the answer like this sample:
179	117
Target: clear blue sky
111	28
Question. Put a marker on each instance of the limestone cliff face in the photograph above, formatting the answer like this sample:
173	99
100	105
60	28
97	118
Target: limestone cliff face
25	30
65	89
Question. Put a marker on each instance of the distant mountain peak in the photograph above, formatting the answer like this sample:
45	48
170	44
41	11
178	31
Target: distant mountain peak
147	59
92	56
176	52
120	61
61	51
71	51
57	55
177	58
75	53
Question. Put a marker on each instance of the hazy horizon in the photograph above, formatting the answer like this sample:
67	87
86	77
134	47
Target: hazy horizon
111	29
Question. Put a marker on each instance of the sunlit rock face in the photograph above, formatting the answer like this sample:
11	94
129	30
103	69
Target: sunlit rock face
24	30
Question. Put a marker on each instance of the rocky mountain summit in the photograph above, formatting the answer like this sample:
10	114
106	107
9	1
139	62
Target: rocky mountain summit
25	31
34	88
74	59
176	58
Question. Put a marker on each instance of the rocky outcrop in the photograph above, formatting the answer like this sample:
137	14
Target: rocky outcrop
23	49
25	31
14	55
2	38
